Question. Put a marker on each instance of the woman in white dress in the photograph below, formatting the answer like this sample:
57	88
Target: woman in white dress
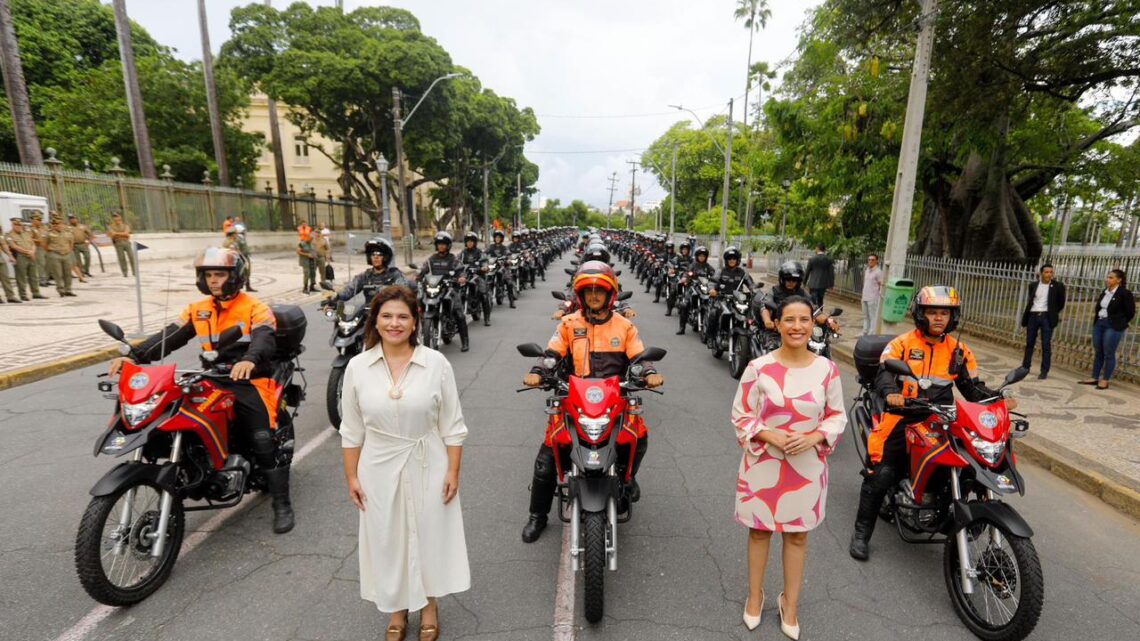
402	432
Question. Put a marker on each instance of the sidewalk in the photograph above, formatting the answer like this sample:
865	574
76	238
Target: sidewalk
1085	436
43	338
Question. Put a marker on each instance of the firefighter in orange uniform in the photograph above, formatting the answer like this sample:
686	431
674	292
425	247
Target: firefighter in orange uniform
939	358
220	275
599	344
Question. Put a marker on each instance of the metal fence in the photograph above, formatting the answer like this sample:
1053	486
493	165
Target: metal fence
166	205
994	296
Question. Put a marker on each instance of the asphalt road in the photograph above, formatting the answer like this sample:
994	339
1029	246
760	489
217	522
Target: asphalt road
681	572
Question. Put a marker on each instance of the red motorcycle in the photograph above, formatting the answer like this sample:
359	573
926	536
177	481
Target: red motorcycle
175	424
589	419
962	462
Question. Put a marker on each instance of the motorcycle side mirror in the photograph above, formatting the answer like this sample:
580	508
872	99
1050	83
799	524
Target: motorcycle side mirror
228	337
1015	376
559	295
617	272
625	295
413	266
651	354
570	271
111	329
837	312
573	262
530	349
897	367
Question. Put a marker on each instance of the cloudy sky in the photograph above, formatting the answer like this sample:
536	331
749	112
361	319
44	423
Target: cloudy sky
599	73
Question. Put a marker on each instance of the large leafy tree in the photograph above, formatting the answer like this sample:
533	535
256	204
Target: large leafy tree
75	85
338	70
1022	92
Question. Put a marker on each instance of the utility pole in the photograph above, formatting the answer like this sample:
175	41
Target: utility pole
403	198
727	181
518	201
212	99
279	160
23	124
673	193
610	209
632	193
134	96
898	234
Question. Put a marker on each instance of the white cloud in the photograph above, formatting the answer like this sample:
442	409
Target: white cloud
587	57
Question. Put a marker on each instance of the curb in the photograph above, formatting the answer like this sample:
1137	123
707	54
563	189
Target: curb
33	373
1068	466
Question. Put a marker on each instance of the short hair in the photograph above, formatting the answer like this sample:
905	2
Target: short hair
821	247
873	255
1119	273
1045	266
391	292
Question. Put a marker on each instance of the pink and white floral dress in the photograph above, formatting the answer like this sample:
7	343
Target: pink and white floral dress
776	492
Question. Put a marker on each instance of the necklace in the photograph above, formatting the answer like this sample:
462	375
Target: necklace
396	391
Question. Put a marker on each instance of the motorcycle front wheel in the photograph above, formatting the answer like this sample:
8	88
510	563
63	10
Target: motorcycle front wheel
433	334
1009	589
739	356
115	538
594	565
333	395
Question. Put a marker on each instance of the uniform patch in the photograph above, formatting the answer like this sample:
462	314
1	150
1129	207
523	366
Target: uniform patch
579	331
615	342
202	314
916	355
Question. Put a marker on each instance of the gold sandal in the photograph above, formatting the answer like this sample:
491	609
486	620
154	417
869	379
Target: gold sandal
396	633
429	632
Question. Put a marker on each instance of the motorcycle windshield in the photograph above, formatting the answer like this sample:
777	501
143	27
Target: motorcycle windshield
591	397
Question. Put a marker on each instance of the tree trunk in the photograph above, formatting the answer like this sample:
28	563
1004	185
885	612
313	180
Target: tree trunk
23	123
212	99
134	96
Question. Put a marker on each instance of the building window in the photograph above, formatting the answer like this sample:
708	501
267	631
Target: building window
301	150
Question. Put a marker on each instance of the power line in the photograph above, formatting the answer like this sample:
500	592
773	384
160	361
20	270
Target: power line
649	114
592	151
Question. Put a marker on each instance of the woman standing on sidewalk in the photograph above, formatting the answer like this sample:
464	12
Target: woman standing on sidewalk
402	434
1114	312
788	415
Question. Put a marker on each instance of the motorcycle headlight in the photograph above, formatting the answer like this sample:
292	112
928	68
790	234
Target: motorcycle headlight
991	452
139	412
817	333
432	291
348	326
594	427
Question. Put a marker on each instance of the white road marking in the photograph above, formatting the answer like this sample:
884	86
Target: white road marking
92	619
564	629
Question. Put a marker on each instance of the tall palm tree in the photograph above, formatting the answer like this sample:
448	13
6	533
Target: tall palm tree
134	95
24	124
212	98
755	14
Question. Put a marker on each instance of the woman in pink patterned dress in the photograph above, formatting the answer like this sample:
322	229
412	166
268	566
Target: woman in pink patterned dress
788	415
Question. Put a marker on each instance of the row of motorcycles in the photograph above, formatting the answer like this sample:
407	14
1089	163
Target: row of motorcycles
487	283
739	330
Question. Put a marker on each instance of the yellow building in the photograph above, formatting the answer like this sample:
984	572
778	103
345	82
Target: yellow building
306	166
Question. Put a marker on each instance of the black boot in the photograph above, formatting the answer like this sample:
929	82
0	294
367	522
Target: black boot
634	490
278	480
533	528
870	498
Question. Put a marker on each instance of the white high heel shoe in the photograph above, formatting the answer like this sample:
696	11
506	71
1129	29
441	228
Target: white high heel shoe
791	631
753	622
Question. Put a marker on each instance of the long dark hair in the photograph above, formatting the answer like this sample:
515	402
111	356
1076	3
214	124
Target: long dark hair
1119	273
391	292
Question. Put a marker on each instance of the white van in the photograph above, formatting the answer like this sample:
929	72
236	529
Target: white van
14	205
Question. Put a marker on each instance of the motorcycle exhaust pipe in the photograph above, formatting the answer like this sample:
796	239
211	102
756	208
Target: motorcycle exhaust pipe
167	503
960	541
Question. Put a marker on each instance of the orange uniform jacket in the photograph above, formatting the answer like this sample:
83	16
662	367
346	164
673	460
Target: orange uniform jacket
928	358
208	318
596	350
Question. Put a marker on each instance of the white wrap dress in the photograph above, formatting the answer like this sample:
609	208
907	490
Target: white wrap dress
411	545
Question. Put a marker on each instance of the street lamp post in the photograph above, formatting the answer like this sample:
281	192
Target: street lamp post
727	151
386	212
673	193
784	219
399	124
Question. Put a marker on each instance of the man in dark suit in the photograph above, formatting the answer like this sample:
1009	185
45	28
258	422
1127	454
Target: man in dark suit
1041	315
820	274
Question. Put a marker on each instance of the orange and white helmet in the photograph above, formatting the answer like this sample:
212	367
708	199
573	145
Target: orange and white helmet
595	273
937	296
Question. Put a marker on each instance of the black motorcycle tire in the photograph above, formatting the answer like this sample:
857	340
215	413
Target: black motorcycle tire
738	359
333	395
1032	589
716	348
594	565
89	549
433	334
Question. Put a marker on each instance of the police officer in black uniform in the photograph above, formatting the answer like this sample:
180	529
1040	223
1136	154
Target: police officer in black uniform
382	274
698	268
472	256
730	277
441	263
499	250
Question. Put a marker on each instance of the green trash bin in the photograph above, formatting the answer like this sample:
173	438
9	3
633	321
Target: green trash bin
897	299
